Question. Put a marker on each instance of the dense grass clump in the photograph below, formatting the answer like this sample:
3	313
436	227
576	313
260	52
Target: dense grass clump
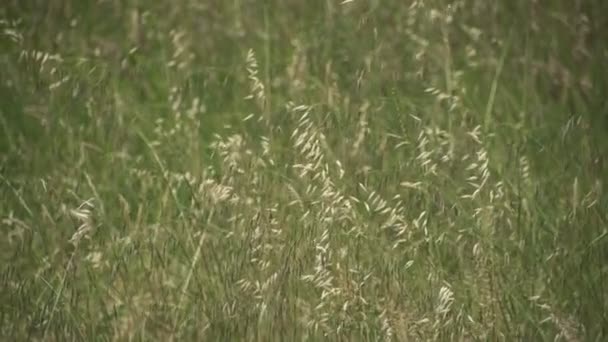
304	170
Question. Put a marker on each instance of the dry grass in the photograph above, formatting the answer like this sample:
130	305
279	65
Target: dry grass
339	170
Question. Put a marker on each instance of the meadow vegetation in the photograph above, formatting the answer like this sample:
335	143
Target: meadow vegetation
304	170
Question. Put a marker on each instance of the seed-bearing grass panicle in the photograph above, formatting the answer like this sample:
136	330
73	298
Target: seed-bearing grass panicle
49	67
310	143
434	147
186	114
82	214
257	87
232	151
252	215
524	172
478	167
182	56
393	216
449	319
12	30
444	301
363	129
331	213
86	227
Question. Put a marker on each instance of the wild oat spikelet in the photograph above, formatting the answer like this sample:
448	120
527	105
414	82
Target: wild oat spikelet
83	214
257	88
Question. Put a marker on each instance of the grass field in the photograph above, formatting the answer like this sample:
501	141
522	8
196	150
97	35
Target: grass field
286	170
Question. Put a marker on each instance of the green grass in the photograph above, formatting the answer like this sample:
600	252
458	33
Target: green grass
303	170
